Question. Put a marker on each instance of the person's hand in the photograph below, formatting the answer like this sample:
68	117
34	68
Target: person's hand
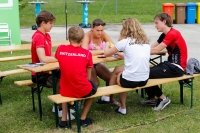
95	47
119	55
107	45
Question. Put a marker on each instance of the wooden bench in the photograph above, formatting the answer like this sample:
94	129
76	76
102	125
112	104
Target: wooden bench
15	58
33	90
10	72
57	98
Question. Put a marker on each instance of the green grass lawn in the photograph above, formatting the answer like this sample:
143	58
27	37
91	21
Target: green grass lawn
17	116
143	10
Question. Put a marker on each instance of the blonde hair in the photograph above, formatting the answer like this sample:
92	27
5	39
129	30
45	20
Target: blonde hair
75	34
132	28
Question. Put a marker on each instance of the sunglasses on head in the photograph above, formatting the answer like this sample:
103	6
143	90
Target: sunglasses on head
98	24
125	19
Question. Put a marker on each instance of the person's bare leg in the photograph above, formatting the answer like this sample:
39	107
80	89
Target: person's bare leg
113	79
104	73
122	97
86	108
94	77
162	96
64	111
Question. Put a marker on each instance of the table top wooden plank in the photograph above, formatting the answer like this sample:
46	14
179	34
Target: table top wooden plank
55	65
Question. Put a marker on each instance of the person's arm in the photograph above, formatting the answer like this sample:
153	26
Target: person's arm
158	48
109	51
43	58
154	44
106	38
86	41
89	72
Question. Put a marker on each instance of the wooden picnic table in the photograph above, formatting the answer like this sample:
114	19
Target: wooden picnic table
50	67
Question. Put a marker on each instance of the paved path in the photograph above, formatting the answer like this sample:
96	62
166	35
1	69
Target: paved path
191	33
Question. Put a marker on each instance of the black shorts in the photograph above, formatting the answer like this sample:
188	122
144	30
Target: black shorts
95	65
43	78
93	91
131	84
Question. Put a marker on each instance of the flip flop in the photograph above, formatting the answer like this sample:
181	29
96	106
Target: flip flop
102	102
116	103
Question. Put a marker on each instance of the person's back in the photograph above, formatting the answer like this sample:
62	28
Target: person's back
73	62
136	59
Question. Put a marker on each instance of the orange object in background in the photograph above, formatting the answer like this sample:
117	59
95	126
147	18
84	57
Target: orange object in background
168	8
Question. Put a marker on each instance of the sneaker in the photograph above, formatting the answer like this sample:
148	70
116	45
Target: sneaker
71	110
148	102
72	117
60	113
63	125
162	104
86	122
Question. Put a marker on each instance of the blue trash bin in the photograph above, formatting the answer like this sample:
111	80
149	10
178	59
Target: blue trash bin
191	12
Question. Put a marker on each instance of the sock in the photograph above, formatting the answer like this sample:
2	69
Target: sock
164	99
105	98
123	111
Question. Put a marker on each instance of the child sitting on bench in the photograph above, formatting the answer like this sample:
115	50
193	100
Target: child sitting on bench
75	66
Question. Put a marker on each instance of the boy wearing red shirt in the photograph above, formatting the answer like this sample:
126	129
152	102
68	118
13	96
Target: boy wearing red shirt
76	67
41	47
175	66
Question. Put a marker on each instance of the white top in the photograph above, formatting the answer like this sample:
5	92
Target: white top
136	59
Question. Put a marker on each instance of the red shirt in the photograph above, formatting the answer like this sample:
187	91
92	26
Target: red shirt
40	40
176	47
74	62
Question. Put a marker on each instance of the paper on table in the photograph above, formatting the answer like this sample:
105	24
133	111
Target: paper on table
33	65
30	65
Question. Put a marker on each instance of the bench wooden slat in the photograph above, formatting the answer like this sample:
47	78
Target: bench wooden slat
15	58
12	72
57	98
24	83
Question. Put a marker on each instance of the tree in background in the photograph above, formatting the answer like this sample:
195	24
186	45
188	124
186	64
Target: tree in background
23	5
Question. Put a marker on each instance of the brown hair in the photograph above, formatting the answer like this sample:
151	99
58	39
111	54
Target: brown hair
164	16
75	34
44	16
98	22
132	28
